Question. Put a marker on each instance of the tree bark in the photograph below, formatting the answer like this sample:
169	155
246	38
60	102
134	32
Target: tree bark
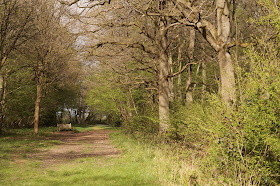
179	58
3	89
37	105
218	38
203	81
189	86
133	102
1	98
170	79
227	78
2	94
3	60
163	80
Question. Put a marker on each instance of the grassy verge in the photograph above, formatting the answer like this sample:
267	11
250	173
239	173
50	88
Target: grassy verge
173	165
18	142
140	163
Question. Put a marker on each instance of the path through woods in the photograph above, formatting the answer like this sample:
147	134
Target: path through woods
76	145
87	157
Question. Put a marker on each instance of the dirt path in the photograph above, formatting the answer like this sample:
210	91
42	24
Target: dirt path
76	145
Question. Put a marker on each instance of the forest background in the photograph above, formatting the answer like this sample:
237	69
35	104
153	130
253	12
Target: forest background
199	75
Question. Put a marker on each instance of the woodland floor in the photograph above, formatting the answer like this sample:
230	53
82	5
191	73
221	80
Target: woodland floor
92	155
76	145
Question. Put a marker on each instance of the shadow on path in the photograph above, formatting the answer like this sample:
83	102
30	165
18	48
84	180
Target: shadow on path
76	145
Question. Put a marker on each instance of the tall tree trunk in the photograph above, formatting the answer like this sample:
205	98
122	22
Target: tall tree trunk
3	89
37	105
170	79
203	81
189	86
132	102
218	38
1	99
3	94
80	111
163	80
227	78
179	58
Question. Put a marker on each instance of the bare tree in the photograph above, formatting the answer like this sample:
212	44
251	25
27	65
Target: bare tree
48	52
189	83
189	13
16	28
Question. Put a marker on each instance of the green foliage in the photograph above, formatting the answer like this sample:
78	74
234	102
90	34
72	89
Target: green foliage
20	100
144	115
146	124
242	143
104	97
272	14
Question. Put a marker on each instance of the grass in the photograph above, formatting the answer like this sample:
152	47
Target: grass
21	141
135	166
86	128
91	171
140	163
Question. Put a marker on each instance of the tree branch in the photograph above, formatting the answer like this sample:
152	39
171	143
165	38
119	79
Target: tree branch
182	70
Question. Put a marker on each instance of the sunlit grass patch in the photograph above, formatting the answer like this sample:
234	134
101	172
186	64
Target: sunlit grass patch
102	171
140	163
86	128
170	164
43	131
107	127
82	128
17	143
